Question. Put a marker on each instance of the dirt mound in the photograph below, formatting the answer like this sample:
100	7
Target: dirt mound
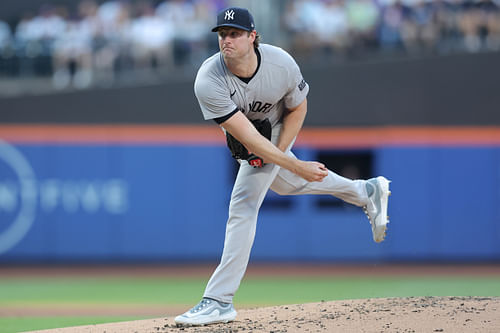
412	314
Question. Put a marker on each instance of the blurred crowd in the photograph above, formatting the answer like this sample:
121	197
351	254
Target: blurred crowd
93	42
361	27
96	41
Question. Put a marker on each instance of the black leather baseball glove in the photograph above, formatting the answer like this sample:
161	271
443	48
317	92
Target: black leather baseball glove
239	152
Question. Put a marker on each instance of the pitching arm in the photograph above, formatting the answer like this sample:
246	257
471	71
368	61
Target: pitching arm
242	129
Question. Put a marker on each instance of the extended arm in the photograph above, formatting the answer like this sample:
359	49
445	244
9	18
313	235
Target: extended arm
242	129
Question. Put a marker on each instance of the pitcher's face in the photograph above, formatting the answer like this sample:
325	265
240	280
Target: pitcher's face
234	43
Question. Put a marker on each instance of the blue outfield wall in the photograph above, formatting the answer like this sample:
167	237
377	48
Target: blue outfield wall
169	202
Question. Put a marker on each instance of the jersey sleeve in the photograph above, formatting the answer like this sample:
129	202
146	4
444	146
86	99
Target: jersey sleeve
213	94
298	87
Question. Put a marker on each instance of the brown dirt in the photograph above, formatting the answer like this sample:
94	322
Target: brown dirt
412	314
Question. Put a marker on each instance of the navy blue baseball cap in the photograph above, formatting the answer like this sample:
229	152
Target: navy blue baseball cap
235	17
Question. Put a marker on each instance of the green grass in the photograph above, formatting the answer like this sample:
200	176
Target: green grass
253	291
187	291
13	324
106	290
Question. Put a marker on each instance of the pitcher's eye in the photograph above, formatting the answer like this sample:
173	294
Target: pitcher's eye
231	34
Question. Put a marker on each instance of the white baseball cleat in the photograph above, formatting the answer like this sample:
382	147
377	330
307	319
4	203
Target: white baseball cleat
376	209
208	311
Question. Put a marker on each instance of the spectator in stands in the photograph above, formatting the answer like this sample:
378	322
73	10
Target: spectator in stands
47	26
299	20
363	16
484	20
113	48
447	14
103	55
5	35
332	28
35	36
190	22
150	38
72	51
492	20
332	25
391	23
419	30
6	51
197	36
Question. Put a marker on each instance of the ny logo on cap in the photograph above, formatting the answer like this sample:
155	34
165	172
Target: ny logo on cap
229	15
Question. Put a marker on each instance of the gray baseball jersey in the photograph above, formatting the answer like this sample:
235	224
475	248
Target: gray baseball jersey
278	84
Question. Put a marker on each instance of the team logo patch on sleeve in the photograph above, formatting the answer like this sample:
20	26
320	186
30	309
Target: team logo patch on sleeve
302	85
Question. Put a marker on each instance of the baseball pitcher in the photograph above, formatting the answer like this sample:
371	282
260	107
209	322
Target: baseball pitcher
257	94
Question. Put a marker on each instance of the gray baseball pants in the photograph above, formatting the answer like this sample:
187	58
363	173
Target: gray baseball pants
249	191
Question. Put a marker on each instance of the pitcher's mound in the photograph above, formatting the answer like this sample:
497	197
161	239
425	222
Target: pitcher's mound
412	314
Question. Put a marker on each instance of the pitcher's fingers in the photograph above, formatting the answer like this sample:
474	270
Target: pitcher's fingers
321	175
319	179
